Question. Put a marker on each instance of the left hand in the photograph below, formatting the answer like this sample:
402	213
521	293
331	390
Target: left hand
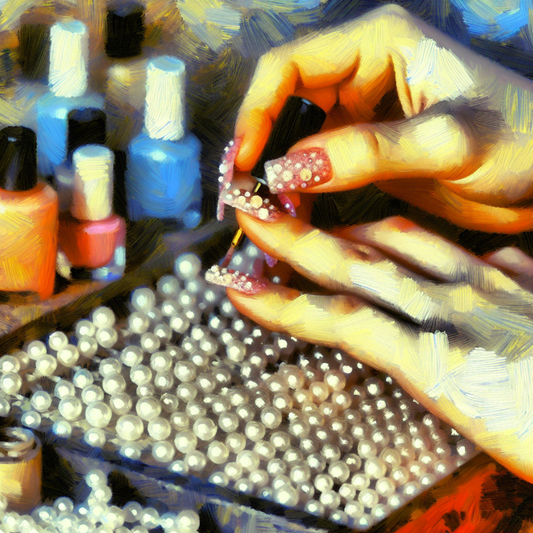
454	330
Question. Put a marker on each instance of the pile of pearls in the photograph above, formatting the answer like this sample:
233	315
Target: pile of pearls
95	515
187	382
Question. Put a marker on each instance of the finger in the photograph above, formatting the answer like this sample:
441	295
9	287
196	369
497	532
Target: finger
337	321
343	266
436	146
357	52
514	262
438	200
428	252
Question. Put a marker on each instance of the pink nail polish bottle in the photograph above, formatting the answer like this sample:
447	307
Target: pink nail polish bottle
91	236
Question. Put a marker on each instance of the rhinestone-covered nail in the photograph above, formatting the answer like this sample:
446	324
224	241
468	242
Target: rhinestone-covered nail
299	170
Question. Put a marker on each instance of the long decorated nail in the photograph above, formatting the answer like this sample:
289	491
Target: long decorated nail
226	173
253	204
234	280
299	170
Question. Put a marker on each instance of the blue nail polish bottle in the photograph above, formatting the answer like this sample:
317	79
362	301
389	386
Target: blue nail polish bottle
163	169
68	81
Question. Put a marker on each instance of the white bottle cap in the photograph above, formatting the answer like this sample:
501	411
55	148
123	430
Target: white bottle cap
164	112
92	198
69	54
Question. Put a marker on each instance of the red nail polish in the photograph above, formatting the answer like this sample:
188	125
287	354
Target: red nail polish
91	236
234	280
28	218
253	204
299	170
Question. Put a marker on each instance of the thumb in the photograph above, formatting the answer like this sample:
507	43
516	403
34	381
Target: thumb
435	146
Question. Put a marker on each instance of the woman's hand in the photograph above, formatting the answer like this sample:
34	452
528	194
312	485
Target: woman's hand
455	140
454	330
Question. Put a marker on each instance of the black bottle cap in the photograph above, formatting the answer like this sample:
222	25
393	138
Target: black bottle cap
85	126
18	159
298	119
125	30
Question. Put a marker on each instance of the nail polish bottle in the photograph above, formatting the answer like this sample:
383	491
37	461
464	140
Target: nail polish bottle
126	78
68	83
84	126
28	218
163	174
90	235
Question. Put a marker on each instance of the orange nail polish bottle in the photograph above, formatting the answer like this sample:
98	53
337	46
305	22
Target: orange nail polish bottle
28	218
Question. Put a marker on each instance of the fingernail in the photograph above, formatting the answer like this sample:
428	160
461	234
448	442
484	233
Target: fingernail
226	173
298	170
253	204
234	280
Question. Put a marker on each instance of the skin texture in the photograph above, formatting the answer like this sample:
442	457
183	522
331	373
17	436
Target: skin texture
457	141
454	329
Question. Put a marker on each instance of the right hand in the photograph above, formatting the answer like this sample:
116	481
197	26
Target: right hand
457	139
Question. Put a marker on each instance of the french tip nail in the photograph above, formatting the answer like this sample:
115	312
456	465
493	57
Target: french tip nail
234	279
226	170
298	170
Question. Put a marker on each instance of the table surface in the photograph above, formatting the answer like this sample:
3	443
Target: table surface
481	496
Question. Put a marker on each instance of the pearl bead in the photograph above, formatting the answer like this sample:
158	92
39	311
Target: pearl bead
400	475
168	286
323	482
228	422
187	266
114	384
11	383
330	499
106	337
163	451
98	414
314	507
179	323
412	488
248	459
95	437
276	467
347	492
179	420
331	453
219	478
293	455
300	473
41	401
87	347
62	428
368	497
121	403
339	471
185	371
316	462
375	467
259	478
286	495
465	448
84	328
205	429
148	407
31	419
143	299
188	520
352	461
129	427
354	509
360	481
91	393
217	452
70	408
233	471
185	441
35	349
245	412
280	481
159	428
